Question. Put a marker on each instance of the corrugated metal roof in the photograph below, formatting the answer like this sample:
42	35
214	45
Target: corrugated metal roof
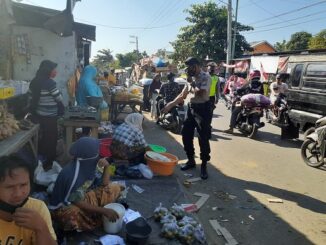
34	16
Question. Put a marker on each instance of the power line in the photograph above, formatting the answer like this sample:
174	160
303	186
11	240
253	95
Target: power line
288	12
266	10
281	22
131	27
165	12
276	28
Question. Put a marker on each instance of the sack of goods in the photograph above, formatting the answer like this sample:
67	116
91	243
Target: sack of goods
251	100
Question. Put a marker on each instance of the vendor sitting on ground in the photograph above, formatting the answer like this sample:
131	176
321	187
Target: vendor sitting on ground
128	140
77	202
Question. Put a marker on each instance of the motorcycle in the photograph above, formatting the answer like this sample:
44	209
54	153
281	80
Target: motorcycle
248	120
173	120
313	149
281	117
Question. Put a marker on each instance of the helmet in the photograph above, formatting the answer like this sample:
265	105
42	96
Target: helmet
254	74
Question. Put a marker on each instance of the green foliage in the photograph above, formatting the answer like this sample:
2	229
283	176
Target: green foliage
299	41
207	34
103	59
126	60
318	41
280	46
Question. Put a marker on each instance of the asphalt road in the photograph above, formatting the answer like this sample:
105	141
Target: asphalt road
252	171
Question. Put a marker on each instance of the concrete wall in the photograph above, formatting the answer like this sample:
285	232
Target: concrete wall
43	44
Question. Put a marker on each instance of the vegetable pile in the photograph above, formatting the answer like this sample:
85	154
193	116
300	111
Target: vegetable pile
8	123
177	225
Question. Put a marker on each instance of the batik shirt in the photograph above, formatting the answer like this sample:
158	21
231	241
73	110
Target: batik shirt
170	91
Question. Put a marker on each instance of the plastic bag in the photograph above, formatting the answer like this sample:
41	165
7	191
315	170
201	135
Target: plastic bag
159	212
199	234
144	169
45	178
168	218
186	234
187	220
170	230
177	211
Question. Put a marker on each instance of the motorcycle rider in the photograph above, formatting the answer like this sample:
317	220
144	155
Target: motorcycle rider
255	87
198	115
231	87
278	90
168	92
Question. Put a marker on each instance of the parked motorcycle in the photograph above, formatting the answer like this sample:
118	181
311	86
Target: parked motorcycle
173	120
281	117
313	149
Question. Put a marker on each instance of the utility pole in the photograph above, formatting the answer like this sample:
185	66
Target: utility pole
136	42
235	29
229	38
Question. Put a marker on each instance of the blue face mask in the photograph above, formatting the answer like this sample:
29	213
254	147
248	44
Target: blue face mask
8	208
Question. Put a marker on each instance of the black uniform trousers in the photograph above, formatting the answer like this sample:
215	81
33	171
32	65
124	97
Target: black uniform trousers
198	117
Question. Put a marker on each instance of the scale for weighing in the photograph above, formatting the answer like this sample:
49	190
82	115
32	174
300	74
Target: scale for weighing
82	113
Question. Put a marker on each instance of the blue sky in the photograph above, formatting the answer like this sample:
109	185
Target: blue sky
116	20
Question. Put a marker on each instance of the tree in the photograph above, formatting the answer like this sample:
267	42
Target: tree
280	46
318	41
299	41
103	59
126	60
207	34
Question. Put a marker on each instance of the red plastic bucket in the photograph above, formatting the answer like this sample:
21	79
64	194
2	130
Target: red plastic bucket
105	147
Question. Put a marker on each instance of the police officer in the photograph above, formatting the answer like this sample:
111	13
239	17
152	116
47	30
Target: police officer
214	90
198	115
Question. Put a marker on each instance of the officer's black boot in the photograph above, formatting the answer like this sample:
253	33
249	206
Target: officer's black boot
189	164
203	170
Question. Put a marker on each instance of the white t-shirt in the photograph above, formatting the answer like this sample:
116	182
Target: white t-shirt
282	88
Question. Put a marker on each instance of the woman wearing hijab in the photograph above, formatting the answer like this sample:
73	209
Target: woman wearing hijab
87	86
45	106
128	139
77	202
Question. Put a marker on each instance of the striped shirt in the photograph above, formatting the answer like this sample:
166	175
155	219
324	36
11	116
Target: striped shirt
49	99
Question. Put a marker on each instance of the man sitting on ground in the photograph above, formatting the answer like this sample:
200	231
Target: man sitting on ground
23	220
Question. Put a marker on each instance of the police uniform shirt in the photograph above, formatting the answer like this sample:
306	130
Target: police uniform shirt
202	82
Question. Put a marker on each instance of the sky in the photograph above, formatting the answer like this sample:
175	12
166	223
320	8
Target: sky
157	22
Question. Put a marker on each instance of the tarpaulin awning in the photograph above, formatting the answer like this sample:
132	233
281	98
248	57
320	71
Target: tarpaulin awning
269	63
283	64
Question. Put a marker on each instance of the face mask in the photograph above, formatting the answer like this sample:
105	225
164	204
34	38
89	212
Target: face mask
8	208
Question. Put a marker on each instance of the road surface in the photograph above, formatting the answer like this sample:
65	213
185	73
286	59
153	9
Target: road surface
252	171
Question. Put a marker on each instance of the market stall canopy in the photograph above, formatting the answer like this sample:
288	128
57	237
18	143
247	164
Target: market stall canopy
59	22
268	63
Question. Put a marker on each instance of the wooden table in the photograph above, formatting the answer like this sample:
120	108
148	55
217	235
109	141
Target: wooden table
116	105
71	124
18	140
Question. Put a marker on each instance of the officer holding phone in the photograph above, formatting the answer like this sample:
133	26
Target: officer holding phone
198	115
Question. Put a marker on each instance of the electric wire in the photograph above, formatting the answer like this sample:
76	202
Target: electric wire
277	28
288	12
